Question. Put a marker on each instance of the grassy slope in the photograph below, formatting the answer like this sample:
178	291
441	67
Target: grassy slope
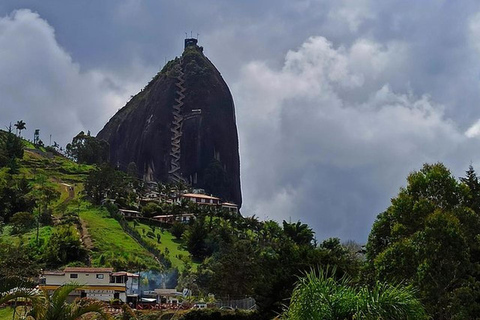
177	255
110	240
44	234
107	235
6	313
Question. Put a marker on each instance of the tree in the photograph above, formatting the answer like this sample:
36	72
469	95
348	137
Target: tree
16	262
107	182
429	238
233	271
64	246
319	295
87	149
195	237
36	137
299	232
20	125
15	195
22	221
11	149
44	194
472	192
55	307
177	229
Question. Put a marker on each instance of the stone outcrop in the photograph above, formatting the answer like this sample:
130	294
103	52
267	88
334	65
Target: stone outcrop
181	127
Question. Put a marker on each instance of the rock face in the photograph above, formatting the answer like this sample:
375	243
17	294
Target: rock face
181	127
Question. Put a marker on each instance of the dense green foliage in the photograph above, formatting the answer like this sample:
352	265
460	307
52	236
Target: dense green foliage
87	149
429	238
17	266
105	182
11	149
15	195
246	257
64	246
46	306
319	296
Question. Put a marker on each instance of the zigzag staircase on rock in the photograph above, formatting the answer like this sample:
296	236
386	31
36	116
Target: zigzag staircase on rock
176	128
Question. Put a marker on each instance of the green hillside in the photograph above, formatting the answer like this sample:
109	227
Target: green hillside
103	238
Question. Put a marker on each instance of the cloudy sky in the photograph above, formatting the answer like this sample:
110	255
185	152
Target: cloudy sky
336	100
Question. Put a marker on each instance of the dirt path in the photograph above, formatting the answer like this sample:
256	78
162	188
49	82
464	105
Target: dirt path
86	239
71	194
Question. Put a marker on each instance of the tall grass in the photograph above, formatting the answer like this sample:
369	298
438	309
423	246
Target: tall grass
318	295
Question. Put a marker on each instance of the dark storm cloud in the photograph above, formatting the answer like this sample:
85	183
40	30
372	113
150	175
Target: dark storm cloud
337	100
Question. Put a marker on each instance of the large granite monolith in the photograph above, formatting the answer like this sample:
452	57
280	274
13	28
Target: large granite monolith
181	127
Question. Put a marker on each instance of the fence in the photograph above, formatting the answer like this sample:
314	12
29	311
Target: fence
245	304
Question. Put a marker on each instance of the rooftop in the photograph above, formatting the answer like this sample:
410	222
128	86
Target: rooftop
128	211
88	270
229	204
125	273
200	196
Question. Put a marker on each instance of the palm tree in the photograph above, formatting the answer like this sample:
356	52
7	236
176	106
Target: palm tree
20	125
299	232
320	296
55	306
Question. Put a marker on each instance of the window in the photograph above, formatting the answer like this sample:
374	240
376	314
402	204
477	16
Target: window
73	276
100	276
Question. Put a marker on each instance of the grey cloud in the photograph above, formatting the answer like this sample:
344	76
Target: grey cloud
311	154
329	127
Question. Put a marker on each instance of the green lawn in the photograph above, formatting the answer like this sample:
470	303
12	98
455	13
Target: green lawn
110	240
177	255
6	313
44	234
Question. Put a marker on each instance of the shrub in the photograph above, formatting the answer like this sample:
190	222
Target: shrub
22	221
177	229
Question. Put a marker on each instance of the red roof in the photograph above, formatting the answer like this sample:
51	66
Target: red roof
88	270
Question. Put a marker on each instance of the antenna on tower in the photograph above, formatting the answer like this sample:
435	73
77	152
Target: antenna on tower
186	35
198	35
191	34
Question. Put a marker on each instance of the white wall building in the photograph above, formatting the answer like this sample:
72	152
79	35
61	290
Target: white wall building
97	283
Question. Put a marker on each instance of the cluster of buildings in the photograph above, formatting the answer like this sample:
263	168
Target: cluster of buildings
197	198
106	285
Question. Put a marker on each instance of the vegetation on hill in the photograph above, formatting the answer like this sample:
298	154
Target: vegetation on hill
424	248
429	238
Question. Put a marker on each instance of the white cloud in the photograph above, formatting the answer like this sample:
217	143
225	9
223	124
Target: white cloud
40	83
310	152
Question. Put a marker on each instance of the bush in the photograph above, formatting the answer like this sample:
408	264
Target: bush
64	246
177	230
151	209
22	221
150	234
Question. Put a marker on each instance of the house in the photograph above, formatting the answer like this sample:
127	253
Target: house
129	213
97	283
168	296
171	218
201	199
231	207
